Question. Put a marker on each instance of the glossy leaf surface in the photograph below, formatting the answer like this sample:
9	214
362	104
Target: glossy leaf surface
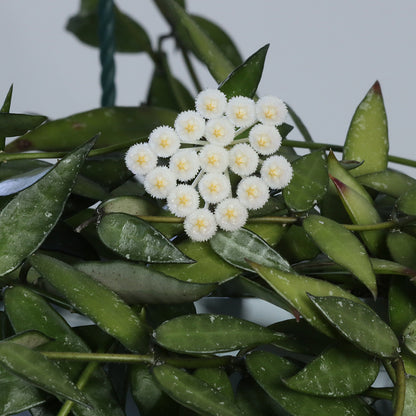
367	138
343	247
23	228
309	182
94	300
16	124
359	324
193	393
238	246
208	333
116	125
402	247
135	283
339	371
268	370
217	378
407	202
22	181
137	240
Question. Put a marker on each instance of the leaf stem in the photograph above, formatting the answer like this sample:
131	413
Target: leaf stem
379	393
399	387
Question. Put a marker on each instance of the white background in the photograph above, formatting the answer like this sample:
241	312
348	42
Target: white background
324	56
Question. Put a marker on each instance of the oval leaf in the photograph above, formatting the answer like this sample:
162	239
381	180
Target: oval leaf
343	247
136	240
27	219
268	370
338	372
22	181
409	336
359	324
207	333
193	393
135	283
309	183
367	138
402	247
97	302
407	202
237	246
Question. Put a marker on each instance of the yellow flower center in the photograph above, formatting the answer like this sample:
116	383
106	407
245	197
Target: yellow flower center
160	183
274	172
240	160
164	142
241	113
270	112
218	132
184	200
142	159
211	105
251	192
200	223
213	160
190	126
263	141
213	187
182	165
230	213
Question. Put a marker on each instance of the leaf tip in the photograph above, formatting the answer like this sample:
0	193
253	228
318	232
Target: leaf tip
376	88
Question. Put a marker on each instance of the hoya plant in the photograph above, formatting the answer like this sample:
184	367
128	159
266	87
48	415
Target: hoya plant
142	213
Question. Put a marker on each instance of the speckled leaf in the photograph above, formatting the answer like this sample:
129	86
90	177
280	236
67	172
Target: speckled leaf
343	247
16	124
245	79
216	378
359	324
207	333
35	368
293	287
116	125
193	393
208	267
238	246
137	240
136	283
339	371
268	370
367	138
410	396
409	336
389	181
194	38
27	219
94	300
402	247
309	182
407	202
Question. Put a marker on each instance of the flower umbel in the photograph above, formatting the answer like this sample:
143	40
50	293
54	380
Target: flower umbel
203	155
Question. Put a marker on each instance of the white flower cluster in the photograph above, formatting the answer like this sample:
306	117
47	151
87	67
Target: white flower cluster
201	150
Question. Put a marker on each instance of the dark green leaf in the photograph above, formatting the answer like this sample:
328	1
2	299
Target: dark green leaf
407	202
402	307
359	324
27	219
137	240
116	125
410	396
309	183
217	378
409	336
238	246
22	181
16	124
402	248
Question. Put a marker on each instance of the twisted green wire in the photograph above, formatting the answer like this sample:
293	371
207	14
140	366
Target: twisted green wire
107	49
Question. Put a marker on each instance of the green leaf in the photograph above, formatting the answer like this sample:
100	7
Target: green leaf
22	181
359	324
208	267
407	202
343	247
367	137
136	283
127	204
309	182
129	36
116	125
339	371
293	287
245	79
220	38
12	124
27	219
35	368
402	248
402	308
193	37
217	378
268	370
238	246
193	393
137	240
410	396
94	300
362	212
389	181
270	234
409	336
207	333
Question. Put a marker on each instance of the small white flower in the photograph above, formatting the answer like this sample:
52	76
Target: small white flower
164	141
252	192
183	200
231	214
213	158
241	111
190	126
271	110
160	182
200	225
277	172
265	139
140	159
220	131
214	187
243	159
210	103
185	164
